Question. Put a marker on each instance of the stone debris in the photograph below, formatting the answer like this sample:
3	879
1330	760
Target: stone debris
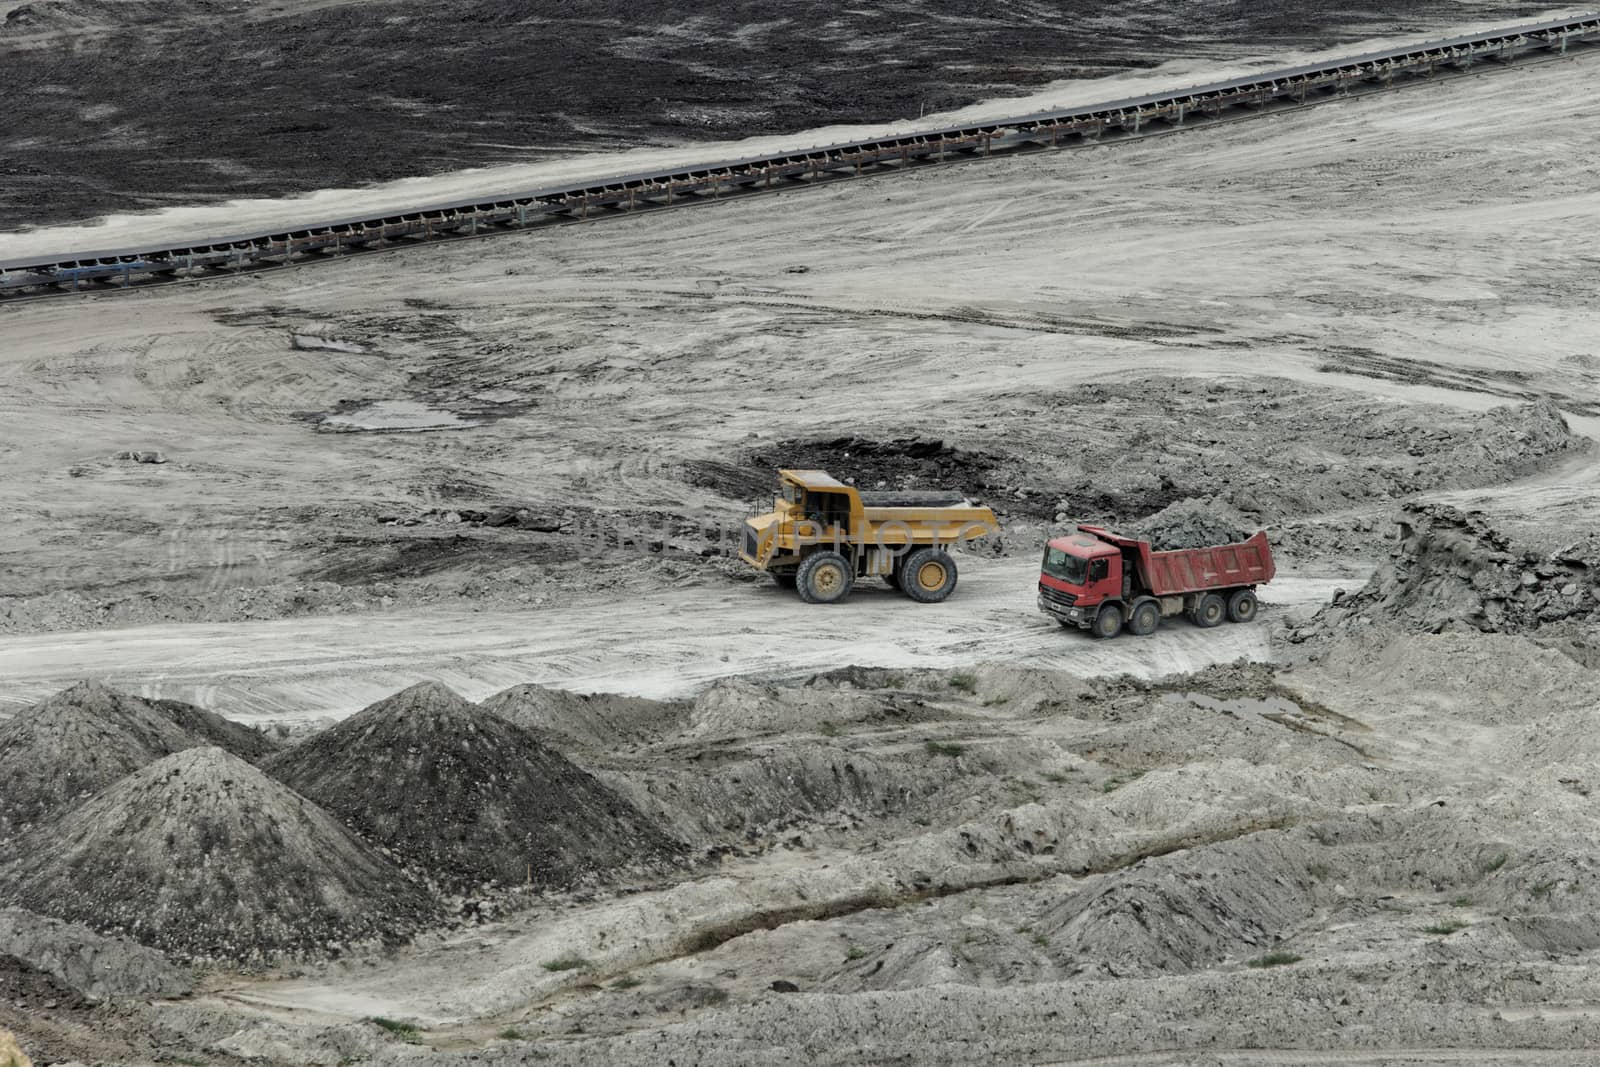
55	754
1451	569
204	857
141	456
468	796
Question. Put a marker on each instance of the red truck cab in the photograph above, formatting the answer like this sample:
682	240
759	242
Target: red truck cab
1102	581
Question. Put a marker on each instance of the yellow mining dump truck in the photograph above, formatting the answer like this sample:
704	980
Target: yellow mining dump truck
822	534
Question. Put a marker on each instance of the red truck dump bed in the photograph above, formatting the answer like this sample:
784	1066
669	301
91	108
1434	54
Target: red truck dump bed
1192	570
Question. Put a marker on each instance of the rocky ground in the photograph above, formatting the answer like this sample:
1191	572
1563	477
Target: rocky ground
1356	831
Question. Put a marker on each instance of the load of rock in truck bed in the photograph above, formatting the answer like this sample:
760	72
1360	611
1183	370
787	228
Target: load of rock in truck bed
1189	524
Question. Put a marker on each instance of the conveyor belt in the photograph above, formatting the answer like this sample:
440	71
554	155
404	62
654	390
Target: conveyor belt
74	271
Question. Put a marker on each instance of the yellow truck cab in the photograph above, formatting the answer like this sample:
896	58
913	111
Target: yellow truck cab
821	535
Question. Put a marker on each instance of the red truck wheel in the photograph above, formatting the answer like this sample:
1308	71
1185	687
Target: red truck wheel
1108	623
1210	611
1242	605
1144	618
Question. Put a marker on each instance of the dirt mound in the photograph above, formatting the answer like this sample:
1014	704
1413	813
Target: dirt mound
83	739
204	856
468	795
598	720
1174	914
1193	524
1452	569
243	741
93	965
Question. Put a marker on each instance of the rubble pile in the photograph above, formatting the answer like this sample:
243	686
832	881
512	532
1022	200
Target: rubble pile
203	856
1451	569
468	796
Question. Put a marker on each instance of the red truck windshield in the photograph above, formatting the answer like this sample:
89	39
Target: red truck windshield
1065	566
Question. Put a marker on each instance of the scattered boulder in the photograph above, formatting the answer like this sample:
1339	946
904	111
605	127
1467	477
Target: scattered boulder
83	739
467	795
96	966
141	456
203	856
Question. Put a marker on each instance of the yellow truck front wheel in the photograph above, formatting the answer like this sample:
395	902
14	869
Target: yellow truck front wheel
825	578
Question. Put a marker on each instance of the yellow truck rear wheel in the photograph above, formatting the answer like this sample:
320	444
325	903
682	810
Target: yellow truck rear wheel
928	575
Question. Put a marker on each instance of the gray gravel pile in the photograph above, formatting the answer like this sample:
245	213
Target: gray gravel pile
203	856
94	965
1190	524
1451	569
57	753
587	720
468	796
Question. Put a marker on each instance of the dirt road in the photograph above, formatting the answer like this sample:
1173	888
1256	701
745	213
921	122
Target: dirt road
661	644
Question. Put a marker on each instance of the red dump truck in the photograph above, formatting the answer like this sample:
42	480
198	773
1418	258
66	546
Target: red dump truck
1100	581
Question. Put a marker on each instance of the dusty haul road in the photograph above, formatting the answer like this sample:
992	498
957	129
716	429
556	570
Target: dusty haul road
665	644
873	833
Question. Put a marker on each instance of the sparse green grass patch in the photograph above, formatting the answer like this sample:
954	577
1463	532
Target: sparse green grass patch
855	952
1446	928
511	1033
1461	902
1052	776
944	748
406	1032
1275	959
627	981
566	963
1490	866
965	681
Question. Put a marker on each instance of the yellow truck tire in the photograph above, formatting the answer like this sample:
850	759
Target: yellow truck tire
825	578
928	575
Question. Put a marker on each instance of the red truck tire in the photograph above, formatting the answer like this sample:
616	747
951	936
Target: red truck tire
1209	611
1108	623
1144	618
